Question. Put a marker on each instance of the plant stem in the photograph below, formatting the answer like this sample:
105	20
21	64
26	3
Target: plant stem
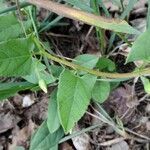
33	23
20	17
136	73
99	32
13	8
72	13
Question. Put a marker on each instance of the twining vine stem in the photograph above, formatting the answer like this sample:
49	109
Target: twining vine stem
62	10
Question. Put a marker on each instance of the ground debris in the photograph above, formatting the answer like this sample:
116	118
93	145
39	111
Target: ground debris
81	142
119	146
8	118
123	102
21	137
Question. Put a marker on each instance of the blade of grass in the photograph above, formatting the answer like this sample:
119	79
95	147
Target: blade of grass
101	110
33	22
99	31
122	5
128	9
13	8
49	25
104	8
123	15
112	124
20	17
78	133
47	19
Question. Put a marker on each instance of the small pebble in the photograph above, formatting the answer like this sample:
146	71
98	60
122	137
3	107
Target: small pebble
27	101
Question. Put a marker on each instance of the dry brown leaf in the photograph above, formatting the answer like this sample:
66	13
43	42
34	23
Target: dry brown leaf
17	99
8	121
119	146
123	102
117	25
21	137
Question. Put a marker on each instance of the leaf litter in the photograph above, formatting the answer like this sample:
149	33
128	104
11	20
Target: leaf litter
25	112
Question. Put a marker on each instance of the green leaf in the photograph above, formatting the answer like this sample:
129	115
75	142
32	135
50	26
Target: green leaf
90	81
10	27
5	21
43	85
141	48
146	84
43	140
39	75
9	89
53	122
56	70
73	98
38	72
14	31
54	148
86	60
105	64
15	57
114	85
101	91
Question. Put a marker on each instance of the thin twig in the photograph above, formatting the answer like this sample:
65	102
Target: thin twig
139	135
111	142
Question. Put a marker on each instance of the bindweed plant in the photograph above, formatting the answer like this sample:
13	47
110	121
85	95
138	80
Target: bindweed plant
87	77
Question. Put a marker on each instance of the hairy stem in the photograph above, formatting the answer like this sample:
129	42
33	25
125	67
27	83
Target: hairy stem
137	73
